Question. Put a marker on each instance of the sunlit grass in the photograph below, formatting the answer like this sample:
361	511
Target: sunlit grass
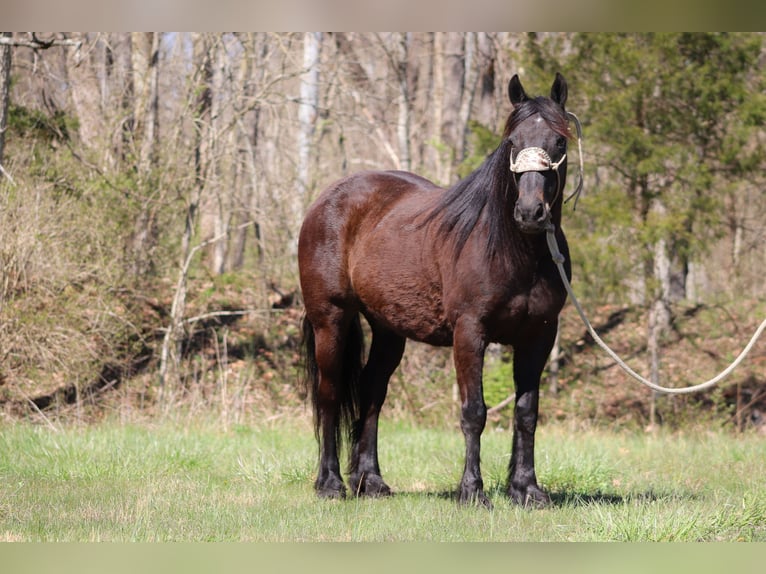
178	483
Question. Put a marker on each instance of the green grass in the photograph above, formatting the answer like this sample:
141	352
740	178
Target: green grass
169	482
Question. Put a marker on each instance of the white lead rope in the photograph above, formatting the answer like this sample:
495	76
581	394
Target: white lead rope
558	258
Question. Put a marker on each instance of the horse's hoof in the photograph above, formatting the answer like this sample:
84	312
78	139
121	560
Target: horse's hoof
474	498
370	485
529	497
332	489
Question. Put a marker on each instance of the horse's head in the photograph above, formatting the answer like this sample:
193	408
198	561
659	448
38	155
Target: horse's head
538	131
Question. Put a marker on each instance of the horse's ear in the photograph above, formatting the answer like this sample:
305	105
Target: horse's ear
559	90
516	91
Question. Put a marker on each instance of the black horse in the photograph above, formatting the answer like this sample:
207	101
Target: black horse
463	266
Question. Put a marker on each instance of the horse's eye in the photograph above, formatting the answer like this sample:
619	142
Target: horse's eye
561	143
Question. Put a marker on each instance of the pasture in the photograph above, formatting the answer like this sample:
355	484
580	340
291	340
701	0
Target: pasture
177	481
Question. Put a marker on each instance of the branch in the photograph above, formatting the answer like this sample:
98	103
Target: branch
501	405
36	43
178	305
212	314
6	174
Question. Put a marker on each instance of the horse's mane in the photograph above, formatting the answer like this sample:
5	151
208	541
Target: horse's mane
490	189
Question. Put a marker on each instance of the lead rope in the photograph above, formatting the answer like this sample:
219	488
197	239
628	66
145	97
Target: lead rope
578	188
559	259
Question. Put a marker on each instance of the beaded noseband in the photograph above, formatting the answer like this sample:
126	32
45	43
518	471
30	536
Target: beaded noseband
537	159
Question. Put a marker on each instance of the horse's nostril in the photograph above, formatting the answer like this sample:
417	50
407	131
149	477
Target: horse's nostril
532	214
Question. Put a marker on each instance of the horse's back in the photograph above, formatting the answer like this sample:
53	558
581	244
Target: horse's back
359	201
361	244
364	192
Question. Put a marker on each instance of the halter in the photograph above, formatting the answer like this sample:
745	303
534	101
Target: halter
537	159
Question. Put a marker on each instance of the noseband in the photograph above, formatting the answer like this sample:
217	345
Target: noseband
537	159
534	159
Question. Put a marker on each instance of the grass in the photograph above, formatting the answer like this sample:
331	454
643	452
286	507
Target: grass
168	482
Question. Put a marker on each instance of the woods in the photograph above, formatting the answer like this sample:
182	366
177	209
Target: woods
153	185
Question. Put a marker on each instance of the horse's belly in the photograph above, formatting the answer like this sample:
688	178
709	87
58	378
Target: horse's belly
406	308
421	330
400	293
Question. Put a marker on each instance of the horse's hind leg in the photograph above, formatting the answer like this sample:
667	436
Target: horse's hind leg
330	341
385	354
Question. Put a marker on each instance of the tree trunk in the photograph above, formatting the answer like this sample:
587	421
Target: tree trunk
150	114
145	60
202	104
246	140
659	314
5	84
455	80
554	364
658	322
470	79
403	100
85	94
119	69
487	105
437	108
307	117
452	98
221	182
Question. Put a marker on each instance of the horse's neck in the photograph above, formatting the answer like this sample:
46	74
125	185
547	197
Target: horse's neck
530	250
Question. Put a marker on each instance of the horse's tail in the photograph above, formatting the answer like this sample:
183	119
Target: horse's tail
348	393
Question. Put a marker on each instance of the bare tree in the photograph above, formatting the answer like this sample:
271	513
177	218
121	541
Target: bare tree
456	74
398	57
85	94
145	75
219	180
307	115
437	122
146	70
5	85
470	78
486	112
7	43
246	135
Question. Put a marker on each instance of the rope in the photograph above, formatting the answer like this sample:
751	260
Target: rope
559	259
578	189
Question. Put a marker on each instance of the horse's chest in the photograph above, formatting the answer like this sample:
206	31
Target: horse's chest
525	310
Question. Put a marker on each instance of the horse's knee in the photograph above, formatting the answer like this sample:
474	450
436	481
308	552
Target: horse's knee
473	416
525	417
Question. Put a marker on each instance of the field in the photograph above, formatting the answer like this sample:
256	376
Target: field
177	481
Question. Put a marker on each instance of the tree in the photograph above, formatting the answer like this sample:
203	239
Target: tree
145	135
5	85
456	75
307	115
7	43
674	118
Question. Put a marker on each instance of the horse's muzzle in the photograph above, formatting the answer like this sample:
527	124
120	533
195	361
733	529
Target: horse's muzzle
532	217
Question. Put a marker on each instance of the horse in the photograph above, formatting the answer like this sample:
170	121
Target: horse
461	267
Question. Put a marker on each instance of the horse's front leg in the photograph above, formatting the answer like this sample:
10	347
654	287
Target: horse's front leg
469	345
528	363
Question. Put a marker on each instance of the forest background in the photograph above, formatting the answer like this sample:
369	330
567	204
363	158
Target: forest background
152	186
